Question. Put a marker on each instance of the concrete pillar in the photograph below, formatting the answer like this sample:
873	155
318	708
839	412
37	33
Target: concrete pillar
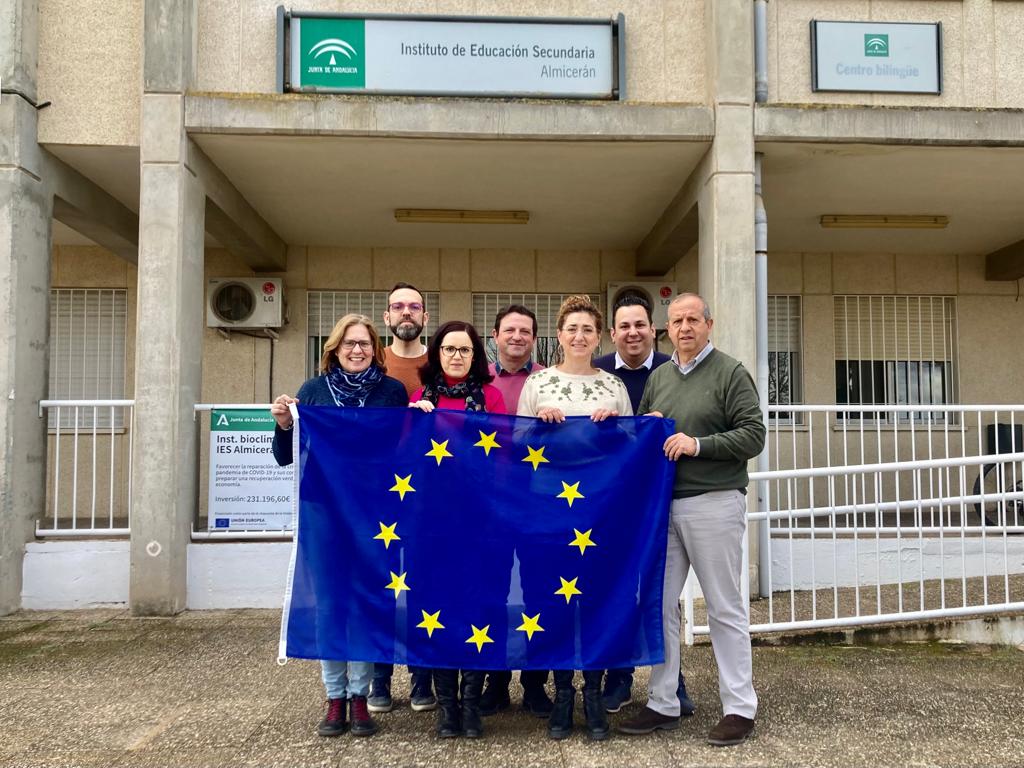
25	217
169	327
726	199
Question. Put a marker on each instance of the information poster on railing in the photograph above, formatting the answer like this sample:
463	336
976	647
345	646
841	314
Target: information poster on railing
248	490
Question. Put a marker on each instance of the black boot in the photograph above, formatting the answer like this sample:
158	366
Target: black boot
472	686
597	718
449	719
495	696
560	721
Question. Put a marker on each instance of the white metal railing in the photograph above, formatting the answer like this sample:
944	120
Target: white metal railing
927	521
89	468
826	436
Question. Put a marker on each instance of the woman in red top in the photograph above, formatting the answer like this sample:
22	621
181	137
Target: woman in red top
455	377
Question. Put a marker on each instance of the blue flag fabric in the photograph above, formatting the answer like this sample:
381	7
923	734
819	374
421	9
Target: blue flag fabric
478	541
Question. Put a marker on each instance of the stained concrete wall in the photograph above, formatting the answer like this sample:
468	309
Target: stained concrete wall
90	69
980	50
665	39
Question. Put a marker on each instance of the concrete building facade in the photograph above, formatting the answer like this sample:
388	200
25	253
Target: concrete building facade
145	149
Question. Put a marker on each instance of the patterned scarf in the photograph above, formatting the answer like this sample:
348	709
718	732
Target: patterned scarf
468	389
350	390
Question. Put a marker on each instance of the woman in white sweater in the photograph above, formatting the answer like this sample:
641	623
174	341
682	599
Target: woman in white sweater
575	387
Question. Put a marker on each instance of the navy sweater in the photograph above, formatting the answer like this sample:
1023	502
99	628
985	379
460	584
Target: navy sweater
389	393
635	381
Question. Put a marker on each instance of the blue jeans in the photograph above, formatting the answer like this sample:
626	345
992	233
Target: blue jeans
345	679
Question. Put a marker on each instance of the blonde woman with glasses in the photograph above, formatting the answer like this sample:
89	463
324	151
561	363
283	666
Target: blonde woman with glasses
352	375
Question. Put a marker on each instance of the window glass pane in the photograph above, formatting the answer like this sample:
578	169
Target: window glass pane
895	350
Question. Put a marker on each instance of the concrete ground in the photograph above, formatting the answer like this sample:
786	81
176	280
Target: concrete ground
203	689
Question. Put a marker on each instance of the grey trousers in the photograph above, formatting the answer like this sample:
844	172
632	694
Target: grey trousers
707	532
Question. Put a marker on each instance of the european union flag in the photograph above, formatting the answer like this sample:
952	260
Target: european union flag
478	541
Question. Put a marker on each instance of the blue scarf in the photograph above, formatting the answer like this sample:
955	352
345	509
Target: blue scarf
350	390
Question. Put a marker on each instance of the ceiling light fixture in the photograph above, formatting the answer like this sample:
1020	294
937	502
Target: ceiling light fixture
875	221
459	216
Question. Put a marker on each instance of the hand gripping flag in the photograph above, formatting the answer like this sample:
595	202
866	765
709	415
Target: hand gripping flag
477	541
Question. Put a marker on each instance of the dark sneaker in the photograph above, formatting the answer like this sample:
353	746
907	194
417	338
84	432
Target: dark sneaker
362	723
648	721
422	697
333	723
537	703
616	697
495	697
731	729
686	705
379	699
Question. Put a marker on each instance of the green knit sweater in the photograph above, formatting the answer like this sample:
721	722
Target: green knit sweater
716	403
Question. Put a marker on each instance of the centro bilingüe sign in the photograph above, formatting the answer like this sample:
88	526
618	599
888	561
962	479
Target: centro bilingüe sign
457	56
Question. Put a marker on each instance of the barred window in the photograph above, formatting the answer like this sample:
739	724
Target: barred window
785	354
325	308
544	305
895	350
87	354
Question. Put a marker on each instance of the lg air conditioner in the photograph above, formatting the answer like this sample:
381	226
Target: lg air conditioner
658	295
244	303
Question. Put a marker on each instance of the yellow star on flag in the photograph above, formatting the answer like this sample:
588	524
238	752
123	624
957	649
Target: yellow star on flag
568	589
536	456
387	534
479	637
487	442
570	492
402	485
397	584
439	451
430	622
582	540
530	625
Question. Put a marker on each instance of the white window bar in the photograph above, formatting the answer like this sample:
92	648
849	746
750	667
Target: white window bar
88	328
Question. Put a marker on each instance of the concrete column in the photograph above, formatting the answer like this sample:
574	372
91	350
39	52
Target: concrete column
25	216
726	199
169	326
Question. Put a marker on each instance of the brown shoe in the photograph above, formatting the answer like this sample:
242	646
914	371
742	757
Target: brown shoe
731	729
648	721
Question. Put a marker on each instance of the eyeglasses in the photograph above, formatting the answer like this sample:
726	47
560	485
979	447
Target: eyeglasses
348	345
450	351
401	306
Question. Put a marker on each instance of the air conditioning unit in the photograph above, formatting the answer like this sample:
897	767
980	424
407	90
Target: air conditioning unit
244	302
659	295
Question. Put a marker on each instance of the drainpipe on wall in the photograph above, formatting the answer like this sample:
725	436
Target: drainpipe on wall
760	51
764	552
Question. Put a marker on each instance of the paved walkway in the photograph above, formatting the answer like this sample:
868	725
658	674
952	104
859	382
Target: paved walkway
203	689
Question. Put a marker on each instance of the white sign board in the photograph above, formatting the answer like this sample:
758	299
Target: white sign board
248	491
452	57
883	57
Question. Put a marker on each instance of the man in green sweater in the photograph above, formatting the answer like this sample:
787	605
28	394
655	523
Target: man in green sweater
720	428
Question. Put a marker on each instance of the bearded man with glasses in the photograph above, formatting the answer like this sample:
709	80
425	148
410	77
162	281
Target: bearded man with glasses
406	316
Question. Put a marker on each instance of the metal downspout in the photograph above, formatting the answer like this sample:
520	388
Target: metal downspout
761	325
760	51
